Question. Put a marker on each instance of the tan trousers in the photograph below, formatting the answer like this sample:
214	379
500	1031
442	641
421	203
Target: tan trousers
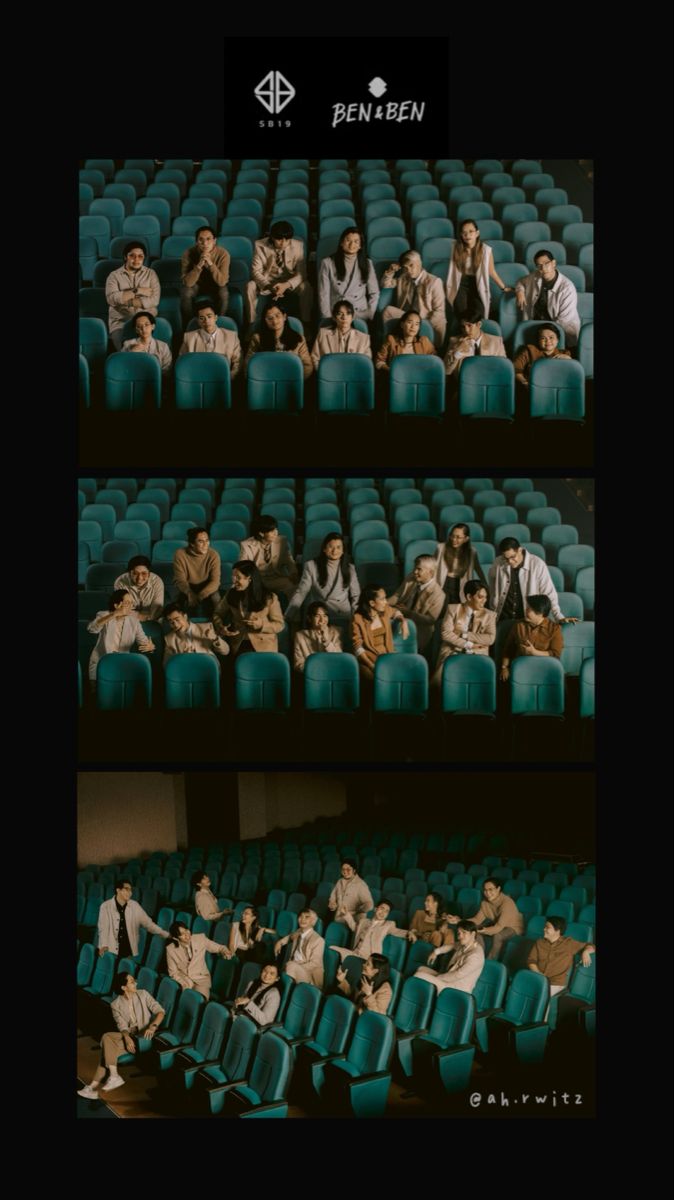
112	1045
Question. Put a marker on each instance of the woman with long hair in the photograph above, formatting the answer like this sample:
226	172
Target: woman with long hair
318	636
329	577
374	991
118	629
348	274
371	630
405	339
245	937
471	266
457	562
429	924
277	335
339	336
249	616
262	997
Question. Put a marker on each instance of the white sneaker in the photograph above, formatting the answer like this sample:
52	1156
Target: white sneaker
89	1092
114	1081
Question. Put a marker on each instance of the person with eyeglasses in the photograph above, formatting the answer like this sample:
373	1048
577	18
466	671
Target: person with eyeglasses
120	920
145	588
516	573
547	295
136	1014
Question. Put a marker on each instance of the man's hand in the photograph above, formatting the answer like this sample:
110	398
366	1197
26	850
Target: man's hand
129	1043
520	297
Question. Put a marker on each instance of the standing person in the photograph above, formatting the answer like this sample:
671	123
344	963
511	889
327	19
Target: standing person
120	920
186	958
279	270
498	918
276	336
209	338
339	337
145	342
463	968
136	1014
196	572
371	630
348	274
319	636
420	598
547	295
331	578
516	573
406	338
417	290
205	902
350	897
145	588
204	271
537	636
304	963
269	550
471	266
119	631
129	290
468	628
249	616
374	992
456	563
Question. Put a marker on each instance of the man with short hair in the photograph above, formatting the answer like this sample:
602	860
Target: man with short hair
536	637
498	917
350	897
196	571
369	932
472	342
279	269
547	295
120	920
304	962
547	346
188	637
204	271
416	288
467	628
553	954
420	598
462	969
517	573
145	588
270	552
210	338
136	1014
186	958
130	289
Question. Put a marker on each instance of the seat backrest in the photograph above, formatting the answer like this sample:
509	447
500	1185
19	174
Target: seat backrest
401	683
537	685
270	1074
527	998
469	684
414	1005
453	1018
302	1010
212	1030
372	1043
491	985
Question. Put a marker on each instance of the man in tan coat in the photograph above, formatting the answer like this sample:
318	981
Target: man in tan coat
209	338
279	270
418	289
498	918
270	552
420	598
468	628
186	637
305	960
204	270
472	342
186	958
370	932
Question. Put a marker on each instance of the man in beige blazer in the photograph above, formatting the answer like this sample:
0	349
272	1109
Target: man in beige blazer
188	637
418	289
472	342
468	628
209	338
279	270
420	598
270	552
370	932
305	960
186	958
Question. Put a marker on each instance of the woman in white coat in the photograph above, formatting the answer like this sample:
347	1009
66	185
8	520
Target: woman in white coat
118	629
471	266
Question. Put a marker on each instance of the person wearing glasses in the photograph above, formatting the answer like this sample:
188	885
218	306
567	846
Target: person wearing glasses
120	920
517	573
129	290
471	266
145	588
547	295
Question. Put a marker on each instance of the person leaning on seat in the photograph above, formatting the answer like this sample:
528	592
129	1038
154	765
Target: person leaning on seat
129	290
420	598
145	342
536	636
118	629
204	271
190	637
319	636
275	335
136	1014
371	630
547	346
249	616
278	270
418	290
498	917
196	571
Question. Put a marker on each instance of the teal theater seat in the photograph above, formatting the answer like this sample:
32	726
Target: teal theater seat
123	681
417	386
537	686
192	681
132	381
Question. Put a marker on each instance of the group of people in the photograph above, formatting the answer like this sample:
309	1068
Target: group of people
460	943
446	590
348	295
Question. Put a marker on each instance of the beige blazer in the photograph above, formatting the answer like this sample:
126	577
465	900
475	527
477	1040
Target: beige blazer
327	342
264	269
481	636
311	970
264	638
190	971
430	294
429	604
226	342
307	641
198	638
280	573
462	347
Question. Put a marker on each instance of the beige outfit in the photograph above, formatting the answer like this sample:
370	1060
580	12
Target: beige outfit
354	895
264	638
225	342
197	572
460	348
187	964
310	641
196	639
421	603
369	937
274	562
475	639
272	266
206	904
305	964
330	341
426	294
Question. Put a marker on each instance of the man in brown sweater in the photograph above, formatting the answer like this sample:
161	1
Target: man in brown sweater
196	572
552	955
204	271
504	919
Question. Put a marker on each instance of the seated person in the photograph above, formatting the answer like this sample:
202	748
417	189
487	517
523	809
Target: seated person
405	339
429	924
348	274
304	962
536	636
186	958
245	938
275	334
553	954
129	290
547	346
472	342
318	637
145	342
270	552
420	598
262	998
196	572
145	588
462	970
188	637
498	918
209	338
340	337
119	631
204	271
371	631
249	616
468	628
279	269
136	1014
329	577
374	991
370	932
546	295
416	289
205	902
350	898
